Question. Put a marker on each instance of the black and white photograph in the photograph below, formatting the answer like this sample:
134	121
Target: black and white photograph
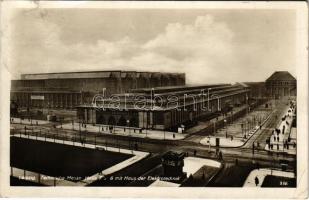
155	95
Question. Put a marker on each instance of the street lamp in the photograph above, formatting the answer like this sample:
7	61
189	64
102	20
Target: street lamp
225	127
128	123
80	133
95	141
208	143
164	134
208	89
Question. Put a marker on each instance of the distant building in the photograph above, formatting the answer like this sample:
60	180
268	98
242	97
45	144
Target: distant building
281	84
68	89
257	90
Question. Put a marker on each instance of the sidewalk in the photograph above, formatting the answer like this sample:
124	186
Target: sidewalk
235	133
262	173
277	140
204	124
28	121
126	131
191	166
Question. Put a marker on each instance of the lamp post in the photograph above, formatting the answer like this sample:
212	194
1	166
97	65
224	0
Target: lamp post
147	120
95	141
128	123
225	127
164	134
208	143
245	128
242	128
208	89
80	136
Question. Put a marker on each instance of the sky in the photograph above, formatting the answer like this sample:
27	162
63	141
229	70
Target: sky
209	45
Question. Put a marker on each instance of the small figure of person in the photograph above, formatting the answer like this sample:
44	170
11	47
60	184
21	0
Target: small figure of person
256	180
220	155
284	145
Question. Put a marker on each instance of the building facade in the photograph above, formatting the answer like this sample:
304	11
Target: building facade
164	108
69	89
257	90
281	84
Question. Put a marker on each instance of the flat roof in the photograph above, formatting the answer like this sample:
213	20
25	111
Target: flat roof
86	74
186	87
129	103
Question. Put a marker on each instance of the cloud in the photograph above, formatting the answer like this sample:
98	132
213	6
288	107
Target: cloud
203	50
197	48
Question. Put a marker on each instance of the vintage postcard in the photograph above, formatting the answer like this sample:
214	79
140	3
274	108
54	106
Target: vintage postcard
154	99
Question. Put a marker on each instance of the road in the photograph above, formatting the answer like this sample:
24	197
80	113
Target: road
267	128
244	153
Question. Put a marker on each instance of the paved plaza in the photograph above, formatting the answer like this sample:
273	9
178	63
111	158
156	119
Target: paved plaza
260	174
28	121
124	131
236	133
